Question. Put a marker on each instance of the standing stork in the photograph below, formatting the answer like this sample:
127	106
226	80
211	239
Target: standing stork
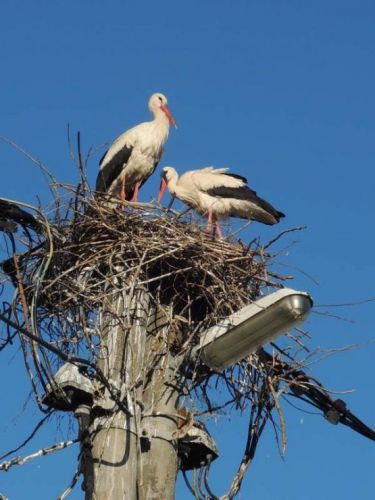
134	155
219	194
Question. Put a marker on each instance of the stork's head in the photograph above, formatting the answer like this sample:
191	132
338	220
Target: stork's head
159	102
168	178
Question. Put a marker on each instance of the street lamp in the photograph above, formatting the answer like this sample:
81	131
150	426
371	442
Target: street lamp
251	327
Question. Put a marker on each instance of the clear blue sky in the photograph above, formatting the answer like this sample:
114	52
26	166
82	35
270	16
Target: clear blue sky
282	92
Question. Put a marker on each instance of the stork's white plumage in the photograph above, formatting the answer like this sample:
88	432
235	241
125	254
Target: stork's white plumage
218	194
134	155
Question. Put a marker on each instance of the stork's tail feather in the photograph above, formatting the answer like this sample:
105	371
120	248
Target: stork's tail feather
279	215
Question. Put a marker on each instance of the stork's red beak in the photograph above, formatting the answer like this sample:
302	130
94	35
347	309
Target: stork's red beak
163	185
165	108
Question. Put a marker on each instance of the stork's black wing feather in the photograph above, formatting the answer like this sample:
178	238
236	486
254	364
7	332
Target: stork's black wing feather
11	214
111	170
247	194
102	158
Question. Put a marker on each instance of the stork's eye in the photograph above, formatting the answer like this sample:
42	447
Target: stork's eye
160	99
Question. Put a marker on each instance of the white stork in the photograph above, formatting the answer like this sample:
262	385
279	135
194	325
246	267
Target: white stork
219	194
134	155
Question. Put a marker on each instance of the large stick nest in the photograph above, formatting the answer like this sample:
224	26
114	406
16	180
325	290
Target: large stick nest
101	246
200	278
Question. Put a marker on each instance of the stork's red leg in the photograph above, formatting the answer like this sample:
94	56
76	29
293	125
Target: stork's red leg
135	195
122	192
209	221
218	230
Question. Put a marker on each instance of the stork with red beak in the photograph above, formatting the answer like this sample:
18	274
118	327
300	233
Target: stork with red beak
134	155
218	194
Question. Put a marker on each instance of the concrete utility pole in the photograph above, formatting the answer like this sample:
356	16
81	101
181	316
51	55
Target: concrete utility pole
131	452
133	434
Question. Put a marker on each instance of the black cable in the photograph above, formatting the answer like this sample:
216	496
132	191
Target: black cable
335	411
29	438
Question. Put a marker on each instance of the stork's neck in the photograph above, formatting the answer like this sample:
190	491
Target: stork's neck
161	119
159	128
172	184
